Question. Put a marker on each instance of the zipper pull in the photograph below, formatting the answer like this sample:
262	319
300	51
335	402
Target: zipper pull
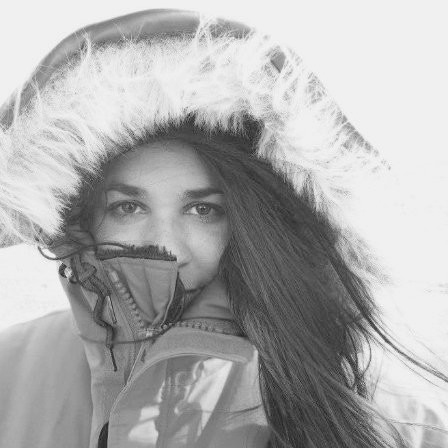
110	307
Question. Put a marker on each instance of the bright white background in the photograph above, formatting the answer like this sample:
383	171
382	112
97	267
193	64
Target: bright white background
385	62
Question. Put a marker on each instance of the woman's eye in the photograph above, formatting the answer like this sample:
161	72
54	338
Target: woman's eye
202	209
125	208
128	209
206	210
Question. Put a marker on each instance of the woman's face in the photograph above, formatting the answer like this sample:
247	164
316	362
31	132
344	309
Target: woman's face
162	193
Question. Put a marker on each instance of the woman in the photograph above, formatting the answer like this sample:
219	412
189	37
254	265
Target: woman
195	182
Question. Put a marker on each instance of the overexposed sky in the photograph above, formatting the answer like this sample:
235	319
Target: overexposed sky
385	63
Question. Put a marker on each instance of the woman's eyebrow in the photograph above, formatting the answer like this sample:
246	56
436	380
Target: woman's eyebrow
132	190
201	193
129	190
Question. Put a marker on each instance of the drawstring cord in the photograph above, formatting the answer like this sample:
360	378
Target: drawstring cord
84	273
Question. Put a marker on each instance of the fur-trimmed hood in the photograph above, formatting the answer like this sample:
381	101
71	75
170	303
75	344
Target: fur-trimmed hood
97	101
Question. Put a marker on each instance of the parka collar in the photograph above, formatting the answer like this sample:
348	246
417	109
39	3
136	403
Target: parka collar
120	298
123	305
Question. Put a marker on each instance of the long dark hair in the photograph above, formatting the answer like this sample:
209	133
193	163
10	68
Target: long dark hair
309	315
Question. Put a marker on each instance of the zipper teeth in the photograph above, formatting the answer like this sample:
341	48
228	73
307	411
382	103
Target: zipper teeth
126	296
205	326
144	328
123	293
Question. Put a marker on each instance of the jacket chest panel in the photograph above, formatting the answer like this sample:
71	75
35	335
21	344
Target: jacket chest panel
187	401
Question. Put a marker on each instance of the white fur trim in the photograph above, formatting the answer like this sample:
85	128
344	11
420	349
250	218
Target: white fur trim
112	96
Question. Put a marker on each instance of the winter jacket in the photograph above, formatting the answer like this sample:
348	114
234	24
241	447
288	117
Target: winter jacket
175	374
194	385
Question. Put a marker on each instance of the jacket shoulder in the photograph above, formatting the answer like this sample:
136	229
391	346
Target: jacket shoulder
53	328
44	375
40	349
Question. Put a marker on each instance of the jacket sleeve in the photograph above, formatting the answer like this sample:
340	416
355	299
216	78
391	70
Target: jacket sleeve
43	377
